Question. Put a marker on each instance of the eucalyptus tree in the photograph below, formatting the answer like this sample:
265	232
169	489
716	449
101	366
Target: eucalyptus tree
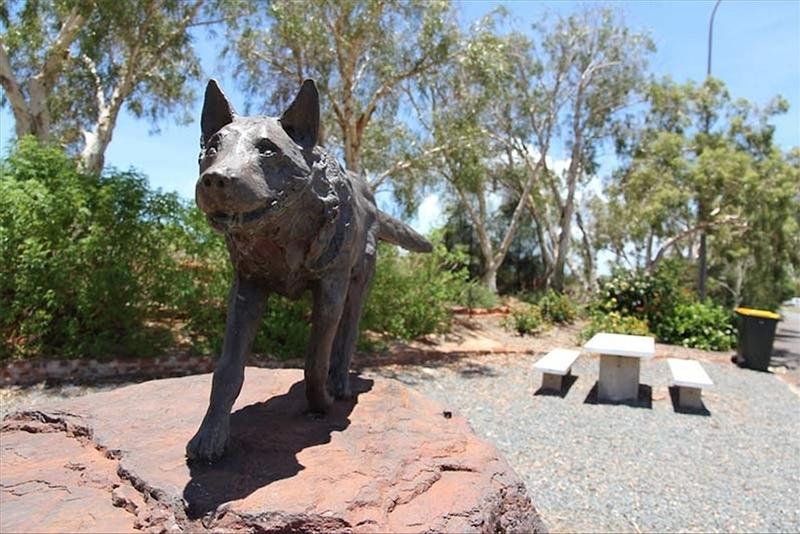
593	66
468	109
364	55
681	176
68	68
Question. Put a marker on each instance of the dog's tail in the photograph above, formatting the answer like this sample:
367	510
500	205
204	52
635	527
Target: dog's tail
399	233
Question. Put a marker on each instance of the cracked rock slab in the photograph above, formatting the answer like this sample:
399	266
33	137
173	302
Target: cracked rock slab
389	460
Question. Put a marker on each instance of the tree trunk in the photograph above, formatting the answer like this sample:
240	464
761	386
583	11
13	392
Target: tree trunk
33	117
93	153
9	83
489	277
566	226
40	115
573	173
97	140
588	254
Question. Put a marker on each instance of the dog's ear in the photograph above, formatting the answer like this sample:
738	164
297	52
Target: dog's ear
301	119
217	111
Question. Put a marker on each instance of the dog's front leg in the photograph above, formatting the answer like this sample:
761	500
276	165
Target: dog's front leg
245	308
329	297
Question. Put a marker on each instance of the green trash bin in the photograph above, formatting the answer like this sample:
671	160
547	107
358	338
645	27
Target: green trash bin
756	335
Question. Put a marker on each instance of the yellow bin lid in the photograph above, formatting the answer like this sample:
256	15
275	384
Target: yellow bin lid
764	314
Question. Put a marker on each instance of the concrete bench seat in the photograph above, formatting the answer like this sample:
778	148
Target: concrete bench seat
555	365
690	378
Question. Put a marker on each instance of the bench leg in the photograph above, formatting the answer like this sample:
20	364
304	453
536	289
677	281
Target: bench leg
619	378
552	382
690	398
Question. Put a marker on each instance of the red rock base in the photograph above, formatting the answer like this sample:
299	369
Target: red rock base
387	461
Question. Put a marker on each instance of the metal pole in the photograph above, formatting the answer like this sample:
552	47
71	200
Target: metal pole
710	34
702	275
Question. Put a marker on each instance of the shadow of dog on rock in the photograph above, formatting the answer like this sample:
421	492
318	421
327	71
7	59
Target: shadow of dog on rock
265	440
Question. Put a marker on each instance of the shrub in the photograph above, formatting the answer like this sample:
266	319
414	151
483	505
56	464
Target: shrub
557	308
476	295
412	293
668	308
701	325
98	266
285	328
83	259
614	323
651	297
524	319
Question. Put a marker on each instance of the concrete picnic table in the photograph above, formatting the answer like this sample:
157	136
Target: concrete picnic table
620	357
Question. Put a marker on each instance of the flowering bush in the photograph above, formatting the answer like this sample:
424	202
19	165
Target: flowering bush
660	303
614	323
701	325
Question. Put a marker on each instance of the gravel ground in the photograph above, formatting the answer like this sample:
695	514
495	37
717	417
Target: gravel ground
597	467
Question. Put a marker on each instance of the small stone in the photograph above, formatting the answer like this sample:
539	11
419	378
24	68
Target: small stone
127	497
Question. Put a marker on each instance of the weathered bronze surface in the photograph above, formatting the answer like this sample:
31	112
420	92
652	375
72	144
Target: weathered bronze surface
293	220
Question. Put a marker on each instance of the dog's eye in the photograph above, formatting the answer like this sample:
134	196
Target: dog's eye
211	151
266	148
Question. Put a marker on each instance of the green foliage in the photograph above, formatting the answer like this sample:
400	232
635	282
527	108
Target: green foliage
75	65
203	278
411	294
660	301
701	325
525	319
83	260
476	295
557	308
614	323
285	328
103	266
699	160
651	297
363	55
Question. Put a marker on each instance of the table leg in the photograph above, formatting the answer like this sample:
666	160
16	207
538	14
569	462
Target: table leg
619	378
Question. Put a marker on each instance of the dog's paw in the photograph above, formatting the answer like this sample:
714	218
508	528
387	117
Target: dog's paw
209	443
319	401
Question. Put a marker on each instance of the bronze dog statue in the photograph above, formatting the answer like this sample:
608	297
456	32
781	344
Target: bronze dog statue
293	219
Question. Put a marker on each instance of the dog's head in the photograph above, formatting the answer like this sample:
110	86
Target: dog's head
253	167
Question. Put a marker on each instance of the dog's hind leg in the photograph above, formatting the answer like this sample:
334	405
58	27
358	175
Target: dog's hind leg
347	334
329	298
246	306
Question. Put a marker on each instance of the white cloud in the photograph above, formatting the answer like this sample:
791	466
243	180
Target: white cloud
430	214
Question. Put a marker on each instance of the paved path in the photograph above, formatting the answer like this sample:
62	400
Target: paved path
786	349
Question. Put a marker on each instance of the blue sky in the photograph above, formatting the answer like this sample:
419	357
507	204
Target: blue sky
756	53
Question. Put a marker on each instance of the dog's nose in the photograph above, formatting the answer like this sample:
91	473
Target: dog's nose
215	179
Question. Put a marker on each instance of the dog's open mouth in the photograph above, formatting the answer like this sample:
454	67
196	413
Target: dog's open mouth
231	220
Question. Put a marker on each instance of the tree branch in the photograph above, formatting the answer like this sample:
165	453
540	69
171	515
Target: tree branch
19	107
515	217
418	68
407	163
98	84
688	232
59	51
